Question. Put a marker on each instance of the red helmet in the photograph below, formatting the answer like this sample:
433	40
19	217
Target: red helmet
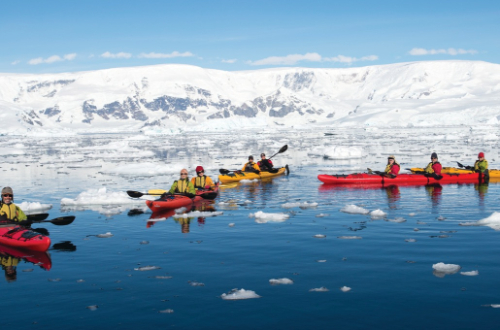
199	169
481	155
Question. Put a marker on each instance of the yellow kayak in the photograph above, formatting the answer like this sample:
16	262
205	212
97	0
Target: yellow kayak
238	176
455	170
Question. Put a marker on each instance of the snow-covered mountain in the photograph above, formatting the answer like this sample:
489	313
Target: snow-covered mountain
166	97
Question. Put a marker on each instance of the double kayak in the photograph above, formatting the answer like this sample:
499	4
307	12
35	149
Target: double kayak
404	179
455	170
240	175
39	258
175	201
20	237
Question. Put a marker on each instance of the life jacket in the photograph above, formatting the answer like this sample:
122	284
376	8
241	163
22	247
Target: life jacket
200	181
483	162
429	168
12	212
6	261
249	167
182	186
265	165
388	168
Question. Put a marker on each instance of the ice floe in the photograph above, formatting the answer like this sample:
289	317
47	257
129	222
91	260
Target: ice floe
302	205
322	215
493	221
246	181
410	240
354	209
278	281
198	214
321	289
101	196
31	207
397	220
319	236
470	273
262	217
349	237
345	289
441	269
147	268
236	294
166	311
377	214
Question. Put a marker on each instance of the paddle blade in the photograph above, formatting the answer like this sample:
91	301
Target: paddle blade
38	217
156	191
62	221
283	149
287	170
134	194
224	171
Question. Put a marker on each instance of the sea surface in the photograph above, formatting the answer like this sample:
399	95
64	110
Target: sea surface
313	238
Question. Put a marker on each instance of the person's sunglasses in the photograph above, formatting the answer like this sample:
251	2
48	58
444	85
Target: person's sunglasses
7	195
200	172
184	174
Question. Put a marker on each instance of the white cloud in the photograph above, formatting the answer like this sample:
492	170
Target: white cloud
163	55
311	57
116	55
288	60
16	62
231	61
52	59
449	51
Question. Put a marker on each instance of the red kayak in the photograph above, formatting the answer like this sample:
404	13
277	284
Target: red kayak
20	237
170	202
402	179
39	258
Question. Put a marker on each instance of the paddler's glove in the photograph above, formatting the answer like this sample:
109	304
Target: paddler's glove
470	168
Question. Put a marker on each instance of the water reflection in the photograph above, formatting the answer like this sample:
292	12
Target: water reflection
184	222
65	246
11	257
434	191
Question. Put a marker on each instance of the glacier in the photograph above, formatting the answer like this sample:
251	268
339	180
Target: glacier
173	98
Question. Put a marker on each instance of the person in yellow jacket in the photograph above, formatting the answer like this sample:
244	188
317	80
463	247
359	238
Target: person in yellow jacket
9	265
481	164
8	209
183	185
202	182
251	166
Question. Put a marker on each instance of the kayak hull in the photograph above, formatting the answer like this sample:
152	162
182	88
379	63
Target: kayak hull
494	174
172	202
235	177
19	237
404	179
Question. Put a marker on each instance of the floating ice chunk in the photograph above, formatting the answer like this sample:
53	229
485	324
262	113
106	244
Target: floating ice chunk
416	229
319	236
345	289
493	221
54	279
321	260
441	269
494	305
101	197
410	240
397	220
245	181
144	242
162	277
107	235
31	207
92	307
411	214
441	218
231	224
321	215
194	283
349	237
470	273
198	214
321	289
166	311
146	268
353	209
302	205
236	294
180	210
342	152
278	281
377	214
80	281
262	217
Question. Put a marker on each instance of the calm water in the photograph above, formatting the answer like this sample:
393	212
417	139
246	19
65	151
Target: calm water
391	280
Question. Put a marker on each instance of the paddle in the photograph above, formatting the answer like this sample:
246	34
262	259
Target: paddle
282	150
138	194
38	217
60	221
470	168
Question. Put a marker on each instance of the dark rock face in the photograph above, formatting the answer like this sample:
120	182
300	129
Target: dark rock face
35	85
32	118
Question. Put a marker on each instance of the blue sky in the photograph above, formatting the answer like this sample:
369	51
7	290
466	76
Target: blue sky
60	36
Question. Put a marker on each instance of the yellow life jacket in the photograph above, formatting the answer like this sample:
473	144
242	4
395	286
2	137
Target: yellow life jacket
389	167
7	261
12	212
182	186
200	181
429	168
481	165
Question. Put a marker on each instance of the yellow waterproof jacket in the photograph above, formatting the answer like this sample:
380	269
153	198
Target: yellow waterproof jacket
12	212
250	165
200	182
481	165
182	186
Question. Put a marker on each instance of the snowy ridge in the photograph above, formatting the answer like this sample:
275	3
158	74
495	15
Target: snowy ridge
169	98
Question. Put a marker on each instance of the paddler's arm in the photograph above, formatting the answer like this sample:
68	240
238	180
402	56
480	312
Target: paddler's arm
172	189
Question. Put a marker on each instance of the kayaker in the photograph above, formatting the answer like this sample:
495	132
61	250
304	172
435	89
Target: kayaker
183	185
481	164
392	168
250	166
265	164
434	167
8	209
202	182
